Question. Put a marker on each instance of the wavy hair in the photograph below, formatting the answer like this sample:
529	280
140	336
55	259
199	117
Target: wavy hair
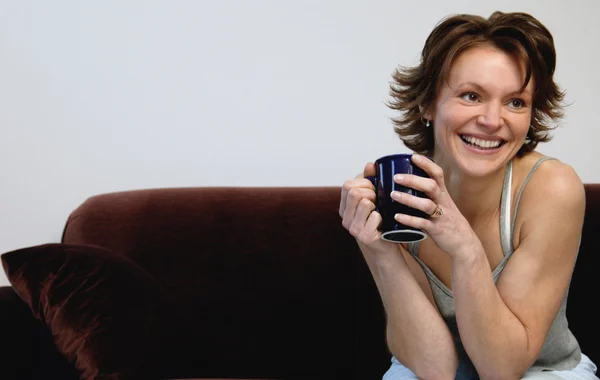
518	34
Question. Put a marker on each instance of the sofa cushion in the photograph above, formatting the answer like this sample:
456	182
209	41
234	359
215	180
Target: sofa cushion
107	315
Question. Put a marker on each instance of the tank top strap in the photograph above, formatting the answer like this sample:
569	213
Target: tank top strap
507	221
533	169
413	248
505	202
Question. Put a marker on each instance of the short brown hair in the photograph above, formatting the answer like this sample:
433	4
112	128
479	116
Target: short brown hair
518	34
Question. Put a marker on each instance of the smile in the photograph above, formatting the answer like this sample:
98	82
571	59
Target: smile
480	143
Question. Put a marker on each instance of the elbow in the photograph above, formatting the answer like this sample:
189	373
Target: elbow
438	368
500	375
506	367
514	370
436	375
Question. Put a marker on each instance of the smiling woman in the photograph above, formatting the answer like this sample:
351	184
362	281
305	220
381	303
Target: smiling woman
485	295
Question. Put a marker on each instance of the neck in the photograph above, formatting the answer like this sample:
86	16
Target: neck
477	198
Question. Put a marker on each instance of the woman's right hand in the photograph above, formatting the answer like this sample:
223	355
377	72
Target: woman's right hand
400	282
357	209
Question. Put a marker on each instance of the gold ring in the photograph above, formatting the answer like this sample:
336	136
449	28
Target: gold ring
437	212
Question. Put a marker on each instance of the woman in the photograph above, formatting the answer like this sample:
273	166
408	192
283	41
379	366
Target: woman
484	296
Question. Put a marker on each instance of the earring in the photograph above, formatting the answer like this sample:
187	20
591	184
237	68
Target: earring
426	122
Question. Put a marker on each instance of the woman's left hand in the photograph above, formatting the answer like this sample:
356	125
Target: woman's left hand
450	231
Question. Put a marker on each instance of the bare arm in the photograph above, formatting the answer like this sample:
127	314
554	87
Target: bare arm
503	327
417	335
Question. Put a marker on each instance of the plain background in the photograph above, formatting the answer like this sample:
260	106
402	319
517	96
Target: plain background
102	96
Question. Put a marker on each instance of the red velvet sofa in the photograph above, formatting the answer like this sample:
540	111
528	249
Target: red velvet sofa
252	283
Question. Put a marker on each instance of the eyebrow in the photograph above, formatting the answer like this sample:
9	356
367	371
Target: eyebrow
480	88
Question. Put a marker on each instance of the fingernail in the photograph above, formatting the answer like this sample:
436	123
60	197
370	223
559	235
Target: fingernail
416	157
395	194
399	177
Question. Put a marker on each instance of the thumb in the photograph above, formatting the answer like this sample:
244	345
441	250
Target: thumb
369	170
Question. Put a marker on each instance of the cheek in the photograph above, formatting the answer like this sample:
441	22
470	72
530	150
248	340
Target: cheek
522	125
452	118
443	132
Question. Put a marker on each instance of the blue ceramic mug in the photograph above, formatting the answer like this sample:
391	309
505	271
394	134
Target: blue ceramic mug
386	168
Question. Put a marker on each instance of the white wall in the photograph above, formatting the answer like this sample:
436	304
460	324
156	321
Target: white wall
113	95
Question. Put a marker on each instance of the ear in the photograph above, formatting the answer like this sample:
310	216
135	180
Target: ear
426	114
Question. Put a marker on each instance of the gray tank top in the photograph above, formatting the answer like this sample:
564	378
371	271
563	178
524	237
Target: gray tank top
561	350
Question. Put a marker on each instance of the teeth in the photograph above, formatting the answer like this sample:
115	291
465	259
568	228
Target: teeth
485	144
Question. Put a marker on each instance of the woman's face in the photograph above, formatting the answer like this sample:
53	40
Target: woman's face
480	116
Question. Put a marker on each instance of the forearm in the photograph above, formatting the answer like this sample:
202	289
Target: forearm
495	340
417	335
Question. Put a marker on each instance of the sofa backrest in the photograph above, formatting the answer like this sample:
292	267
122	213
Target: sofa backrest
583	293
276	286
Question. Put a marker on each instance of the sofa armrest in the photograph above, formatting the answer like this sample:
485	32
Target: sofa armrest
28	351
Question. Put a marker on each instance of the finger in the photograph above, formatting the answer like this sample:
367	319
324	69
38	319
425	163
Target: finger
343	196
354	197
414	221
369	170
431	168
370	232
427	185
346	187
363	210
423	204
351	184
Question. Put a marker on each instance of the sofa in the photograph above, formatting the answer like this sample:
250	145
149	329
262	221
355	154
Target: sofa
214	282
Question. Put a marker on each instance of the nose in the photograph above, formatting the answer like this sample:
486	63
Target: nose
491	116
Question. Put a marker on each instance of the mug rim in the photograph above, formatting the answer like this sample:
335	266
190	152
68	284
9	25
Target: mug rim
398	155
417	232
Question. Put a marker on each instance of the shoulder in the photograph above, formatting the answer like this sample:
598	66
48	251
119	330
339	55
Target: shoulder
552	178
554	190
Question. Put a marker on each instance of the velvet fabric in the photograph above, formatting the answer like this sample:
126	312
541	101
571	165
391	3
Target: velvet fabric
583	294
27	351
274	284
106	315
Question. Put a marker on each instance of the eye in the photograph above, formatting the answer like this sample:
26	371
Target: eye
516	103
470	96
